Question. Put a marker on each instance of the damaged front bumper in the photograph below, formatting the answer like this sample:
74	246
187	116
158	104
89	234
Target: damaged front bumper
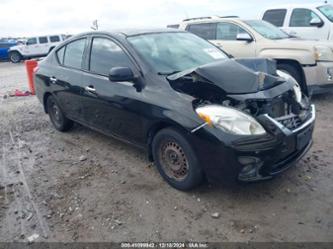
255	158
290	147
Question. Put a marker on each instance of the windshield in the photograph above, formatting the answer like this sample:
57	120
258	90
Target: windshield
327	10
173	52
267	30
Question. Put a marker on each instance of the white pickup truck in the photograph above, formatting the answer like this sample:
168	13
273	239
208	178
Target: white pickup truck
308	21
35	47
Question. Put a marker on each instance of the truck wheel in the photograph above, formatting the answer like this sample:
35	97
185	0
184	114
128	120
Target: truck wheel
175	160
295	73
57	117
15	57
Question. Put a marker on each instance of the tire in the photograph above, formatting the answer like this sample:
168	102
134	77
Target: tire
57	117
15	57
175	160
294	72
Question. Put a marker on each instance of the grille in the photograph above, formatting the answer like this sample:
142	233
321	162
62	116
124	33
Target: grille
279	108
290	121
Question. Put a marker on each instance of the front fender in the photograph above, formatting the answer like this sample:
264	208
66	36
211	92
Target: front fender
182	120
302	56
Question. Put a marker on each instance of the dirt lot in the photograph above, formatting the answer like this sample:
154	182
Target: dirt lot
84	186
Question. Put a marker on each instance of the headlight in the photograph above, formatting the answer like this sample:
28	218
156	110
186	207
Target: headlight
230	120
296	87
323	53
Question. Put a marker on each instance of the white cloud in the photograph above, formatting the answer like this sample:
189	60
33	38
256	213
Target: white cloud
35	17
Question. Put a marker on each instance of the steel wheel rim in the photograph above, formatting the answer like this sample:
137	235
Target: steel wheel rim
173	160
55	113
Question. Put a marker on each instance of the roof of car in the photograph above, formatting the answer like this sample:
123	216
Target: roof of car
129	32
292	6
211	19
201	18
133	32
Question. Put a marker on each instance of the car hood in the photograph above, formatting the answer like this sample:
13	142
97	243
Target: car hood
16	47
300	43
235	76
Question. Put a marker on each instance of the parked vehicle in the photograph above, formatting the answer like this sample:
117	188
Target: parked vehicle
309	62
4	47
35	47
198	113
308	21
173	26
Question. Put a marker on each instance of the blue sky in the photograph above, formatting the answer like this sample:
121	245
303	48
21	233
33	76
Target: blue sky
35	17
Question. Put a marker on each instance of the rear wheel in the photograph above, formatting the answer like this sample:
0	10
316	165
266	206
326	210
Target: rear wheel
15	57
176	160
57	117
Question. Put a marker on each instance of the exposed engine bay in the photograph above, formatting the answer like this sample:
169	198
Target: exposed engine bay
260	89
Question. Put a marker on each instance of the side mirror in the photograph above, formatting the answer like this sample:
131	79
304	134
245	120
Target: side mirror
244	37
316	22
121	74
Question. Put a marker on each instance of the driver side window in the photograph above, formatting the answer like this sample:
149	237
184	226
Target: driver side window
228	31
106	54
302	18
32	41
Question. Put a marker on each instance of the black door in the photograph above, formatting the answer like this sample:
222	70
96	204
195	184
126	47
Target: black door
66	79
112	107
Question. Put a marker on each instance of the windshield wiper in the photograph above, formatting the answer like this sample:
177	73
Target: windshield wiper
168	73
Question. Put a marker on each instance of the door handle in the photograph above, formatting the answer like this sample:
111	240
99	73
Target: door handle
90	89
53	80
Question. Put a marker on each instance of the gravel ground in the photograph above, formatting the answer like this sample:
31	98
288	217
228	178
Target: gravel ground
84	186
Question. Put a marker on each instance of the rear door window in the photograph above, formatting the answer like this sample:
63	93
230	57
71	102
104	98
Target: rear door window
302	18
42	39
106	54
74	53
275	17
54	38
204	30
228	31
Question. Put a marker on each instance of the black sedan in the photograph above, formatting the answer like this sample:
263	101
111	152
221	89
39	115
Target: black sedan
198	113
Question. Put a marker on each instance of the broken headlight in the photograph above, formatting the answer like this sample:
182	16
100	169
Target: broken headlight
296	87
230	120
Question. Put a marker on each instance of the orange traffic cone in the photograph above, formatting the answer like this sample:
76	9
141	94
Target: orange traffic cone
30	65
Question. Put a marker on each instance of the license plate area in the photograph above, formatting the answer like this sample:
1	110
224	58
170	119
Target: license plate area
303	138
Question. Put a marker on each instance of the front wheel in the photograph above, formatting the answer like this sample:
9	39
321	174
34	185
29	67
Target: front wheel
15	57
175	160
57	117
295	73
